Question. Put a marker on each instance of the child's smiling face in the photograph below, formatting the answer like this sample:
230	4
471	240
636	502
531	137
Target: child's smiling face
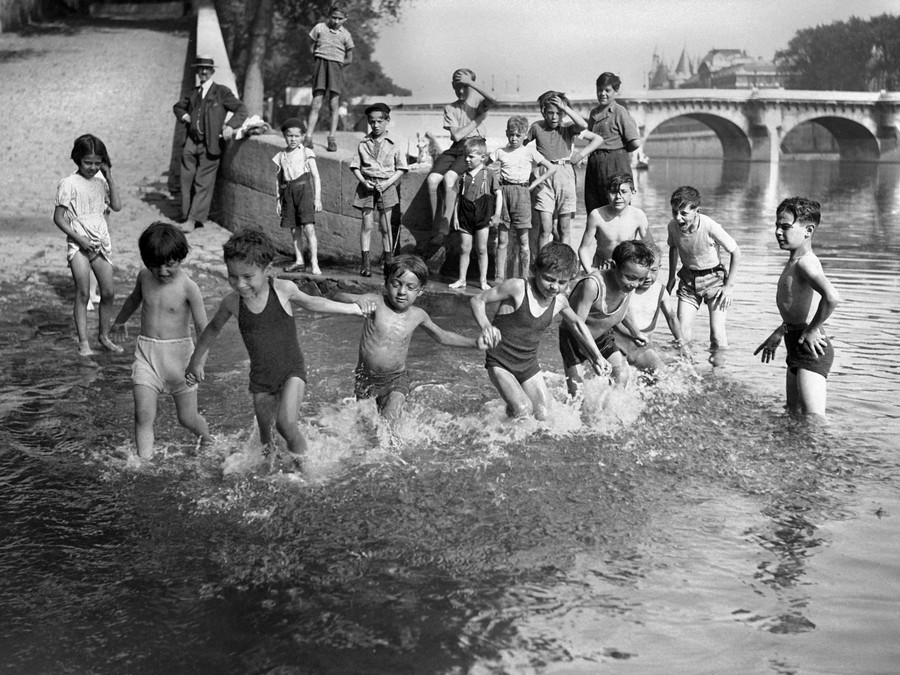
89	165
402	290
248	279
630	276
606	95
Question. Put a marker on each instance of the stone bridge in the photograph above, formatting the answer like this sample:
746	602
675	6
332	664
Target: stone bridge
751	124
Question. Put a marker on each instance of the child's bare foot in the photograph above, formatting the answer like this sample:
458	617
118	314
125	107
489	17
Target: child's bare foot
316	271
207	441
459	283
110	345
485	285
84	349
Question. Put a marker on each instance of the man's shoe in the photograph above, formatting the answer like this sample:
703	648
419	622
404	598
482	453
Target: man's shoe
332	144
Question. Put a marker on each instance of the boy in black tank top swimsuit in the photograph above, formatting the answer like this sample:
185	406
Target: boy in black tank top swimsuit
266	321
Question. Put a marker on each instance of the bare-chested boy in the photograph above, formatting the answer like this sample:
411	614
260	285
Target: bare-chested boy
809	351
384	344
601	300
612	224
169	300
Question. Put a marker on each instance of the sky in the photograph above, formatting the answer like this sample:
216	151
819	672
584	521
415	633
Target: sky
521	48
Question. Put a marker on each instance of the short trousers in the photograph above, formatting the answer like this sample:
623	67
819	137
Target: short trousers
472	216
557	193
160	365
698	286
298	203
801	358
366	198
328	76
571	350
378	385
516	206
451	159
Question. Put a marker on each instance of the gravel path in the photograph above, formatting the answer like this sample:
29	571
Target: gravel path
117	80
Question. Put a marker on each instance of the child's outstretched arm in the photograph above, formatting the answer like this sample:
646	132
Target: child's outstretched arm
194	372
770	344
581	331
505	291
449	338
313	303
551	169
587	242
594	143
130	306
367	302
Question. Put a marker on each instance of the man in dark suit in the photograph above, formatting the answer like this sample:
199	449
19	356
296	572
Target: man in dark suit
203	111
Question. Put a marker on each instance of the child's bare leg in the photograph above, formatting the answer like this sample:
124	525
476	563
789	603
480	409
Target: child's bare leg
546	235
811	392
310	231
433	181
297	236
620	370
81	272
481	242
334	100
502	252
384	226
104	273
536	390
518	403
190	418
93	296
264	404
145	400
314	109
686	314
564	225
465	254
524	252
450	180
391	406
286	416
718	339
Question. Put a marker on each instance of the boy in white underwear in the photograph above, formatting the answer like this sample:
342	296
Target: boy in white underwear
169	300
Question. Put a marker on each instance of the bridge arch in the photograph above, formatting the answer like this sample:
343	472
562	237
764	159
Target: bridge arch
854	139
736	145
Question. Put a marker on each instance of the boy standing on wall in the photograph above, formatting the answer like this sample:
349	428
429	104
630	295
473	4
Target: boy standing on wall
332	50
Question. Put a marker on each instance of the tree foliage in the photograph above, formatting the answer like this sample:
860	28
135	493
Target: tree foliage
269	45
852	55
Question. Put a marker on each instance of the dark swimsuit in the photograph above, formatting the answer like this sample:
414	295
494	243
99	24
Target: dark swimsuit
803	358
521	333
474	214
271	341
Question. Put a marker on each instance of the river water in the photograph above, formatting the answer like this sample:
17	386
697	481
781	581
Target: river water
686	527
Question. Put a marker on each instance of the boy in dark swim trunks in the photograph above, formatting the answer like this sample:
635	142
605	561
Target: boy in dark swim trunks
262	306
384	344
526	309
809	351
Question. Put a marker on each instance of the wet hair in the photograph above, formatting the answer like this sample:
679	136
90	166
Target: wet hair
475	143
460	71
685	196
378	107
619	179
608	78
293	123
805	211
88	144
250	246
544	98
557	257
162	243
517	123
633	251
406	263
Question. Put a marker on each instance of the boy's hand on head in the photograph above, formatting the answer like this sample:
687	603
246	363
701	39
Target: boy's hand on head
462	78
106	170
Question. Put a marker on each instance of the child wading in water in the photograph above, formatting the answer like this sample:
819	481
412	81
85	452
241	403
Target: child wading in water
384	345
169	300
527	306
262	306
809	350
82	199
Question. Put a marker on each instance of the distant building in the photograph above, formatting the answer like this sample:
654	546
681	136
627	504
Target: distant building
719	69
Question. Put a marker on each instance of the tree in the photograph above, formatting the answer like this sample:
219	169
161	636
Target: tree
850	55
277	52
